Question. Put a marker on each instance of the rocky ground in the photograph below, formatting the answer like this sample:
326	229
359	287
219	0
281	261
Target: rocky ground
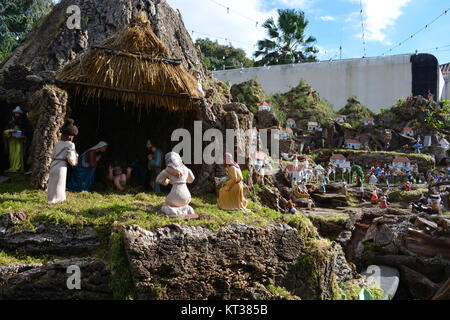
125	250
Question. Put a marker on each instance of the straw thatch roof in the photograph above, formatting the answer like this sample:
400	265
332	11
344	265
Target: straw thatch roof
132	67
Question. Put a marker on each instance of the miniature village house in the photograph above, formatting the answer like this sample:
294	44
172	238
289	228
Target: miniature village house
340	118
369	122
289	131
408	132
340	161
265	107
402	164
291	123
294	172
314	126
352	144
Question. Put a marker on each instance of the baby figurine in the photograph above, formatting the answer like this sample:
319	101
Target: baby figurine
177	174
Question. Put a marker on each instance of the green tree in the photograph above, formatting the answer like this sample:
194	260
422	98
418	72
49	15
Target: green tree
213	55
17	18
287	41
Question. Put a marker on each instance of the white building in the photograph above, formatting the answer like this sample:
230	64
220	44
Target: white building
340	118
291	123
339	161
352	144
265	107
402	164
408	132
369	122
314	126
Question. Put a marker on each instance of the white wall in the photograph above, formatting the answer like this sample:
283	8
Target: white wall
446	95
377	82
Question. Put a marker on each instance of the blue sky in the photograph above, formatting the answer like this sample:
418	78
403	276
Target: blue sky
332	22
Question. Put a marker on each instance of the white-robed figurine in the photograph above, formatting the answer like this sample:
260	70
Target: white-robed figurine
177	174
64	153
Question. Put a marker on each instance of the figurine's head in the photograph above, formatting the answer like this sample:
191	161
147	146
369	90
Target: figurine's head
228	160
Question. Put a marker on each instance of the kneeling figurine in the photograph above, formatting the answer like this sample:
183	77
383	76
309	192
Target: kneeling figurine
177	174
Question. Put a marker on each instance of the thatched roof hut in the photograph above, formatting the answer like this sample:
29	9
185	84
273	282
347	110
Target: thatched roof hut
134	68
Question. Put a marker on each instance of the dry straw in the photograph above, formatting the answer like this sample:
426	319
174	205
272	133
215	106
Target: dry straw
132	67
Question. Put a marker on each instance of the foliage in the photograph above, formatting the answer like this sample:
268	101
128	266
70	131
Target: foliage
121	281
303	102
439	118
17	18
356	112
350	291
287	42
249	93
215	56
279	292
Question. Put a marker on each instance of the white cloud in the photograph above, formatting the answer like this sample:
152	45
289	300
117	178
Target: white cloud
327	18
379	17
206	17
302	4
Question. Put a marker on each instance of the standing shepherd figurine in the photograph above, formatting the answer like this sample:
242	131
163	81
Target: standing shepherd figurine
177	174
63	154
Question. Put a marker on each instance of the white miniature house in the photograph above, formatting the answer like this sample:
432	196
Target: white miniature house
352	144
265	107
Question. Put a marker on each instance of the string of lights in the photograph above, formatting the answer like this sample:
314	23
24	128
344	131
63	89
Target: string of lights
221	38
362	26
445	13
235	12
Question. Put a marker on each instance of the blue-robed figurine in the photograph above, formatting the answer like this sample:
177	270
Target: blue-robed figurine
418	147
83	176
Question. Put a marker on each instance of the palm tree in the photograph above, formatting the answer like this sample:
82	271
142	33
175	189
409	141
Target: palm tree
286	43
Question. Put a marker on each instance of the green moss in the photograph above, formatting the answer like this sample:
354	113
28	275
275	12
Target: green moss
280	292
121	281
406	196
351	290
10	258
315	255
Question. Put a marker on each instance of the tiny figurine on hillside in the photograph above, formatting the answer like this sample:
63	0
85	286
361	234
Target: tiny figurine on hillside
290	207
260	174
383	202
435	203
418	147
345	188
177	174
231	196
360	175
374	198
362	199
405	148
323	184
373	180
387	138
408	186
63	155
